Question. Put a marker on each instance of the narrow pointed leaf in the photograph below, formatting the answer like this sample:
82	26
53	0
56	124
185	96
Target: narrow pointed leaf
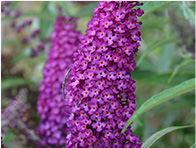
152	139
154	45
150	6
161	97
193	146
188	13
179	67
13	82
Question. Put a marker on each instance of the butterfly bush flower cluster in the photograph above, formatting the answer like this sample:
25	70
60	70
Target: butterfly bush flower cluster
50	105
101	97
22	28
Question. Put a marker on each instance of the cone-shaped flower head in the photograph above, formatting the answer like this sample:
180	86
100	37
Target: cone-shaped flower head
101	97
50	106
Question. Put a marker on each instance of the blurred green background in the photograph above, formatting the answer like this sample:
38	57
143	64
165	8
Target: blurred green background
166	58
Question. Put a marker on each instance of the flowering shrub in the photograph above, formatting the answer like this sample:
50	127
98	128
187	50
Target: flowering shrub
50	105
100	106
101	97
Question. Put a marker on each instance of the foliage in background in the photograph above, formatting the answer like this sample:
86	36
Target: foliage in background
162	63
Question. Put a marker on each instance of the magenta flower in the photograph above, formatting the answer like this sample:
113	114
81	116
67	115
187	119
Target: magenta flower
101	97
50	105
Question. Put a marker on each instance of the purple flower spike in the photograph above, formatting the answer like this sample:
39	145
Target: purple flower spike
51	106
101	96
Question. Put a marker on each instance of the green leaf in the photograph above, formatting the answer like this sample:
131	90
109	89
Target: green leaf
86	10
21	55
193	146
180	66
40	14
9	136
13	4
12	82
150	6
161	79
12	42
161	97
46	24
189	138
153	23
31	13
154	45
152	139
188	13
167	55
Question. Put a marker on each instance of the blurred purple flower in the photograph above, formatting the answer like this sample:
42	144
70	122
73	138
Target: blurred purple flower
24	40
22	28
12	117
17	14
23	25
33	52
50	105
12	24
35	33
40	47
6	3
7	12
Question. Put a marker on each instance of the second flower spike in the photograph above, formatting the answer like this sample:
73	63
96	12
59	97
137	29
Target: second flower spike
50	106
